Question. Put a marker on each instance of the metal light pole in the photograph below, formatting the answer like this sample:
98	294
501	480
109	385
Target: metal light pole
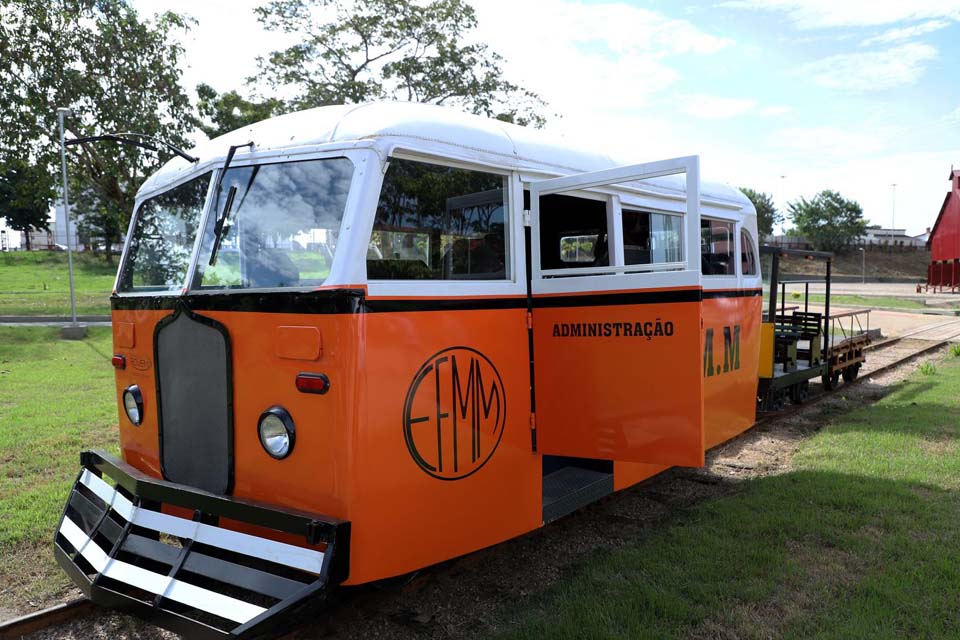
863	267
74	332
893	211
783	194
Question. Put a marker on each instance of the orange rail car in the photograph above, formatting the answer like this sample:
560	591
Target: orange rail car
356	341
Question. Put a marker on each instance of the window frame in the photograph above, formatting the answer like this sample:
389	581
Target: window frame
736	246
515	282
755	249
138	207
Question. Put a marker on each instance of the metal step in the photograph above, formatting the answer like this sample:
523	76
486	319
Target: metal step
571	488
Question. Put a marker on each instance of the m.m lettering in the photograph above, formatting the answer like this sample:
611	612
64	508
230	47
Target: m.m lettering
731	348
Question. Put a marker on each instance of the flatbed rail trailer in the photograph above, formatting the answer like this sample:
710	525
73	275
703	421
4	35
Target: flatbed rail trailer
800	342
356	341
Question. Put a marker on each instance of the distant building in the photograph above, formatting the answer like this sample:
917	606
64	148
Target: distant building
9	238
59	228
944	241
889	238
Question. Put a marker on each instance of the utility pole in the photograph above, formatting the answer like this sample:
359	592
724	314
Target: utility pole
74	331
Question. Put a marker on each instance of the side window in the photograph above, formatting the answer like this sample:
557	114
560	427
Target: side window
439	223
717	253
651	238
161	247
748	256
573	232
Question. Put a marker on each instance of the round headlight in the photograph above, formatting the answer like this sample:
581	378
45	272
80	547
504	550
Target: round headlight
277	434
133	404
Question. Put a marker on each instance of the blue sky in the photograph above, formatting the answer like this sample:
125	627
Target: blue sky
843	94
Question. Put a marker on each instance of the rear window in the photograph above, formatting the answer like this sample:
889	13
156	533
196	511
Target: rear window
161	245
717	252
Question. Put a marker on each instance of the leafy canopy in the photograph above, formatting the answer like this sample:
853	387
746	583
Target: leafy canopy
25	195
117	72
767	215
352	51
829	221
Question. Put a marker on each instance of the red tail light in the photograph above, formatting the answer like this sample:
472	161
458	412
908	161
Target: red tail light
312	383
119	361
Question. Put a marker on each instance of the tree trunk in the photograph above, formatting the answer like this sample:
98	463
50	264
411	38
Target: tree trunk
27	234
108	243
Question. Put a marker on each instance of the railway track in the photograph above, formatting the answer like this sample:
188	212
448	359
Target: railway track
884	356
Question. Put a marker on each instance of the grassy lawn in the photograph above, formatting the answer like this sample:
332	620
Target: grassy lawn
884	302
36	282
861	539
56	398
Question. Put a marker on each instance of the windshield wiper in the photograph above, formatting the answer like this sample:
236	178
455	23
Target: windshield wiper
218	231
222	218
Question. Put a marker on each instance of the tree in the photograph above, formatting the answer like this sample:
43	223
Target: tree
829	221
767	215
359	50
117	72
225	112
25	196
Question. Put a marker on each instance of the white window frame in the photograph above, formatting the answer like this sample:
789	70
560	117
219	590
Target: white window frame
618	275
513	285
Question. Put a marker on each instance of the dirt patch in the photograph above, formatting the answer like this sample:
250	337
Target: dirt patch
31	580
825	572
942	443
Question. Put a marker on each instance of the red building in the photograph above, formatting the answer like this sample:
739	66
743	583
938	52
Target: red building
944	242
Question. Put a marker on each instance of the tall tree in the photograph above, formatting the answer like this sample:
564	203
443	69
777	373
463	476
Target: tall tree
116	71
829	221
26	192
224	112
358	50
767	215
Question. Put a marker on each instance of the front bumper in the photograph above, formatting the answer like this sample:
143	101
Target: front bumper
193	576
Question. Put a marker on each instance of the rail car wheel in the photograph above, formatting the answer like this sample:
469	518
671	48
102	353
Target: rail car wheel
800	392
831	380
850	373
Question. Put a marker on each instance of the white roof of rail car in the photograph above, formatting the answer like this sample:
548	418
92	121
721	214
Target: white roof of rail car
431	129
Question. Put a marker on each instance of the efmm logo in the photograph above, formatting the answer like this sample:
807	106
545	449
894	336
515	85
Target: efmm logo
454	413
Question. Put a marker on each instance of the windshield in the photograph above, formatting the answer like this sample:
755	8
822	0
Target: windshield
163	237
281	228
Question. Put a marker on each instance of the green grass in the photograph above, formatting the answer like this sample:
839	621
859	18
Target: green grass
37	283
56	398
860	540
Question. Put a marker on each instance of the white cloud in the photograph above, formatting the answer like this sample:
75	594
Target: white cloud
906	33
775	110
596	57
814	14
871	71
826	142
709	107
954	115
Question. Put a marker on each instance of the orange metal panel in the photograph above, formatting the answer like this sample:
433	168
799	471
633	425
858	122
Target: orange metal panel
633	395
444	463
298	343
732	335
124	335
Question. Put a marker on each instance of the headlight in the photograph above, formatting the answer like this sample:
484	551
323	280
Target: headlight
277	434
133	404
